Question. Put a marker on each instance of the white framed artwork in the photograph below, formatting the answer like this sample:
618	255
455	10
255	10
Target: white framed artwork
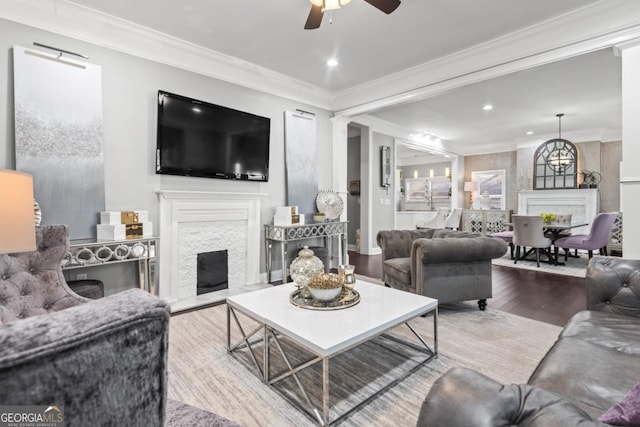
491	189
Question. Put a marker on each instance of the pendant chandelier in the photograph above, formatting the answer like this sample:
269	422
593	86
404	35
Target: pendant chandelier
560	156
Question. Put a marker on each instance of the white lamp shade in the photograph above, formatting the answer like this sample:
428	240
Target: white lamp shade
17	225
470	186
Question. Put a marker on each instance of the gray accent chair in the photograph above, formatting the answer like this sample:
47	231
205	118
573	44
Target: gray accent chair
103	361
591	367
448	265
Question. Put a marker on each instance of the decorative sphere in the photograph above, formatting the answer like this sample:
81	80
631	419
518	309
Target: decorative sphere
305	266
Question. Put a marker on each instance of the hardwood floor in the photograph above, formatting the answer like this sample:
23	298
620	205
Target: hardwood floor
547	297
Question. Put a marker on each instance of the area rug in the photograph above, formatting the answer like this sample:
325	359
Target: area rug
201	372
576	267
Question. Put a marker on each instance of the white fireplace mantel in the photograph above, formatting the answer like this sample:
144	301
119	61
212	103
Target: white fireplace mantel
200	221
582	204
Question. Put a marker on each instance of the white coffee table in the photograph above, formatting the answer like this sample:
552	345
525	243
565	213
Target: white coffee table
379	310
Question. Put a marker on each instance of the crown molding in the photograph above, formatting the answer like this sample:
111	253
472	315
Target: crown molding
68	19
603	24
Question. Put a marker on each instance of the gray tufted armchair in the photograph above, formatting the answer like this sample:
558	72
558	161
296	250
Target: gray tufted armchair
447	265
31	283
103	361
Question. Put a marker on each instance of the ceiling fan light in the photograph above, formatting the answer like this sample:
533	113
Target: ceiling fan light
316	2
331	4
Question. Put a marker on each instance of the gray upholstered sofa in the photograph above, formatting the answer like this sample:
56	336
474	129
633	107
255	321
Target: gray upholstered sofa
592	366
104	362
444	264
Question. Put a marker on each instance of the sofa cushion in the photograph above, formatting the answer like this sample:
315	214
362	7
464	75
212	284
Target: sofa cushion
595	361
625	412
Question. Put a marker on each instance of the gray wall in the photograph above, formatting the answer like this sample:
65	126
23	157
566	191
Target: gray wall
130	85
382	215
610	158
592	155
495	161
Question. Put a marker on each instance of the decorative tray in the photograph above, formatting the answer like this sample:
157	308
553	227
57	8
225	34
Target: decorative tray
343	301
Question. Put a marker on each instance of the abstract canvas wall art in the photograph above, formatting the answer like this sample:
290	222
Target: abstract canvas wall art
59	137
301	159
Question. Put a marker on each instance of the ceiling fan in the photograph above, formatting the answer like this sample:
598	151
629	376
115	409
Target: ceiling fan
318	7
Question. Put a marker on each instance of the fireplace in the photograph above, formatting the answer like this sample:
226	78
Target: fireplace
212	272
582	204
196	222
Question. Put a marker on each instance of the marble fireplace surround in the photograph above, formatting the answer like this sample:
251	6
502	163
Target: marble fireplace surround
582	204
197	221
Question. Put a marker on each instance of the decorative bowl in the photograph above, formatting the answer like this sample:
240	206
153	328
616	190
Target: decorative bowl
325	287
324	295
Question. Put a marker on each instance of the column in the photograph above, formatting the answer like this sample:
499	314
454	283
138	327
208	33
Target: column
629	175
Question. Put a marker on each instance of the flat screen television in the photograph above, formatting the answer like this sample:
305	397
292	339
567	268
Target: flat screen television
196	138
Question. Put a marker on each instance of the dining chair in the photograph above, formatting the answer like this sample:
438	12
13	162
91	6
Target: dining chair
597	238
453	220
437	221
528	232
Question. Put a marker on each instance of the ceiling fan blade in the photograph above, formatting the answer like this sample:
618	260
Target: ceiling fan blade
315	18
387	6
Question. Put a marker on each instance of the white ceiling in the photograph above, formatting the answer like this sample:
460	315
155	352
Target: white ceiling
370	45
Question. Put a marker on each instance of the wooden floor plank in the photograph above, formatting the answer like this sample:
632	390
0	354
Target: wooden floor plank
547	297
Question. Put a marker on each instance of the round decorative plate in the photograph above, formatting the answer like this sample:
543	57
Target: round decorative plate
329	203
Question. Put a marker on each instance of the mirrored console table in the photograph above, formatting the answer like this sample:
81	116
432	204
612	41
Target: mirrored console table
92	253
289	233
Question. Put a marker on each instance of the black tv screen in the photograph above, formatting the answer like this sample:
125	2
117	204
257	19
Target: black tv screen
196	138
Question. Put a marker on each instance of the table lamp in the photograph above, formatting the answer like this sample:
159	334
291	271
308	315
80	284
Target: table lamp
470	186
17	225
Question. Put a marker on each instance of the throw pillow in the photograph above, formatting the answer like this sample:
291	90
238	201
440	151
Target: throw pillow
626	412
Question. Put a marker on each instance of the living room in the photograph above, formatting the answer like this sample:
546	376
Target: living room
137	62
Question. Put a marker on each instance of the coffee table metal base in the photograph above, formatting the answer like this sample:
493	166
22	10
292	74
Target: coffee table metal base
308	407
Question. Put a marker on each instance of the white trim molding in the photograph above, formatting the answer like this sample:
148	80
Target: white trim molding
72	20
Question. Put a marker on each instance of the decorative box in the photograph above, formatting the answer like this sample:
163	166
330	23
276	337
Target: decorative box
287	210
129	217
147	228
287	219
110	217
143	216
111	231
134	231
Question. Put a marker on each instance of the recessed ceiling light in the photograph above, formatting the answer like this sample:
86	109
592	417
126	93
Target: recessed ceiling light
332	62
530	132
488	107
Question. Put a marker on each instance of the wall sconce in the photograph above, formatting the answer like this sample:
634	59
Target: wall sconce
385	168
430	173
415	174
447	171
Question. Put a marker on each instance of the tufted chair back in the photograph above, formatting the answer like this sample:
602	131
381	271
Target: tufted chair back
31	283
613	285
397	243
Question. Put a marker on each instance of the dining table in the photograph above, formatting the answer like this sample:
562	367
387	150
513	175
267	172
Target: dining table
554	231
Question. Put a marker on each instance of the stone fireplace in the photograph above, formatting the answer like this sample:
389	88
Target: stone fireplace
196	222
582	204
